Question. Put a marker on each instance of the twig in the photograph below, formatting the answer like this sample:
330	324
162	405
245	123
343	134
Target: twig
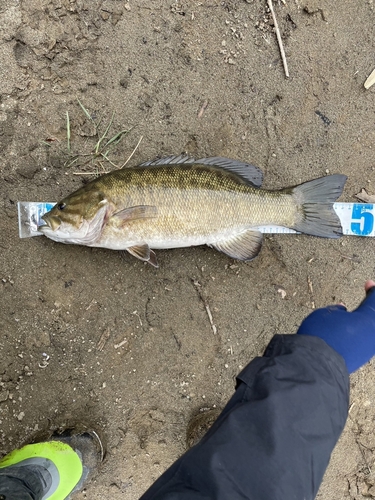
354	257
197	286
203	109
103	339
280	42
134	150
89	173
370	80
309	282
210	318
138	316
117	346
91	304
68	130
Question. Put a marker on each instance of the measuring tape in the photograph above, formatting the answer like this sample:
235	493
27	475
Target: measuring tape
357	219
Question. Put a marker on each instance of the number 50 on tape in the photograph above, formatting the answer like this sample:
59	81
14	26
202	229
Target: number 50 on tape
357	219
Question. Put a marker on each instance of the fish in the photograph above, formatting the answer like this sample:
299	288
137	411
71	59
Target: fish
177	201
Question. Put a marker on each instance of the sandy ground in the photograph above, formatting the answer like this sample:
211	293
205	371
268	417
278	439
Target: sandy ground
92	337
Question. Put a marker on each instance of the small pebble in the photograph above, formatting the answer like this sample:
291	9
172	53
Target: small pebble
20	416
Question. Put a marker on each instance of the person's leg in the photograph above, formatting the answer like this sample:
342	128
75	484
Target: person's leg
24	483
275	436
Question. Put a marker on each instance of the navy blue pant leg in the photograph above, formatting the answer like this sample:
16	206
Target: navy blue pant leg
275	436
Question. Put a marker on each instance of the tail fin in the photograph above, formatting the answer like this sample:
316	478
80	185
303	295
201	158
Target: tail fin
315	212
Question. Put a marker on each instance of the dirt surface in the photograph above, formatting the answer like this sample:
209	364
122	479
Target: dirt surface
96	338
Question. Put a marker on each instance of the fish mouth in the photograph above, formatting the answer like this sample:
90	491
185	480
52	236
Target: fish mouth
51	223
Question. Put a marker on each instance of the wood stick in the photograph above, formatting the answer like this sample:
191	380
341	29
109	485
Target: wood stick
280	42
370	80
198	286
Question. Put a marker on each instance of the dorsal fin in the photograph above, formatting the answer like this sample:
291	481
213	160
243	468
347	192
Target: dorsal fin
246	171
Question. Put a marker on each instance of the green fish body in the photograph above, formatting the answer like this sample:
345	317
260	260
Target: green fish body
179	202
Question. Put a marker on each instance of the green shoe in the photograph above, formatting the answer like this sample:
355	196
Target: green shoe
67	458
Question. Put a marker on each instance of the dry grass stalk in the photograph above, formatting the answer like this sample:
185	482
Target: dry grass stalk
279	40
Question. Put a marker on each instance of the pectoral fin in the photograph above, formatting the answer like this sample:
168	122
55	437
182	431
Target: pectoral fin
243	246
144	252
138	212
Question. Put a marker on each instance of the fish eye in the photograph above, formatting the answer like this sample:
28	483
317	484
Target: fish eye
61	206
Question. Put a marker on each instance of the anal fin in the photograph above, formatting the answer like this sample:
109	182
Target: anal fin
144	252
243	246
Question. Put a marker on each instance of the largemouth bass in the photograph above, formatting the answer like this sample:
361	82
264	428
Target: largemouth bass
178	202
